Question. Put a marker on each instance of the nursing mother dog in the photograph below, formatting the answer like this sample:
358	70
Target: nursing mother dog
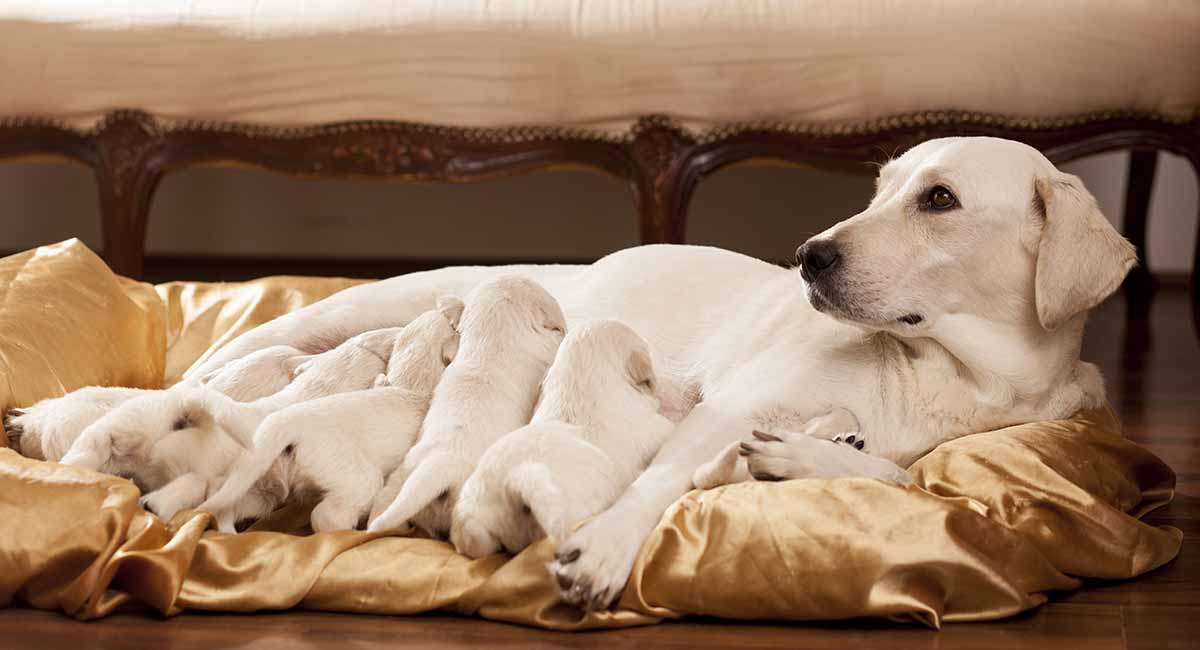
955	303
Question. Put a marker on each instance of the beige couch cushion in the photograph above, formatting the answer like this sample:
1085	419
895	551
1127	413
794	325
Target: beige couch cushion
595	64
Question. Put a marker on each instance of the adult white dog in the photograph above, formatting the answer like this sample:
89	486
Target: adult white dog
954	303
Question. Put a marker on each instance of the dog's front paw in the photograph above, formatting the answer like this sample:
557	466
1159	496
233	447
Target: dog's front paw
775	457
783	456
592	566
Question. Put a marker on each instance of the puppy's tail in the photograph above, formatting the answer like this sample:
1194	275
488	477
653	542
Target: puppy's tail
237	419
272	439
532	483
434	476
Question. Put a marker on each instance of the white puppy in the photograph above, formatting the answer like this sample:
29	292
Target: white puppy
595	428
46	430
174	445
343	445
510	330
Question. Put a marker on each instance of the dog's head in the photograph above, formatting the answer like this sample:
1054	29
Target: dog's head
967	230
425	347
515	313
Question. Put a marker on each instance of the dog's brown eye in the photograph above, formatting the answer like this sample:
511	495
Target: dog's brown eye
941	198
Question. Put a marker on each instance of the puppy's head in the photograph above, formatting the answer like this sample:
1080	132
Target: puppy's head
982	227
606	364
425	347
143	438
353	365
514	310
258	374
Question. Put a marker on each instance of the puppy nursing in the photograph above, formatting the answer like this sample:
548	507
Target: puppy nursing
596	426
343	445
47	429
510	330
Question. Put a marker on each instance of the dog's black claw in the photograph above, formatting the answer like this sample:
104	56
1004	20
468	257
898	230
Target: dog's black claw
763	476
860	444
564	582
568	557
850	439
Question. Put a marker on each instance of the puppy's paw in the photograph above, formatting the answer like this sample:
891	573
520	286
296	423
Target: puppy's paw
853	439
592	566
159	504
14	427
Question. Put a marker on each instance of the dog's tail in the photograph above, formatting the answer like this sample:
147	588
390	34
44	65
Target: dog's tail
533	484
435	475
237	419
272	439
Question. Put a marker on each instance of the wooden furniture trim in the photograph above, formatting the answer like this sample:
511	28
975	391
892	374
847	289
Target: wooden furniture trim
130	151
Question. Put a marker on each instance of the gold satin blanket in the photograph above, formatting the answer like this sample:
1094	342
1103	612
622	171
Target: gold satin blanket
994	522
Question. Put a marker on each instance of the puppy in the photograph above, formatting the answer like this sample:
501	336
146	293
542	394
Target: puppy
46	430
176	440
595	428
510	330
343	445
352	366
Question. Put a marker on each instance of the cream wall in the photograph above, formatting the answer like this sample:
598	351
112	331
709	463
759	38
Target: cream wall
762	211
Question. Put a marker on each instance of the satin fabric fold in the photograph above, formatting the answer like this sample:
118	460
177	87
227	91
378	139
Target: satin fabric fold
994	522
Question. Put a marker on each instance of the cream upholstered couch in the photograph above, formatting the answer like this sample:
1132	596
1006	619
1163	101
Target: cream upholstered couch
660	93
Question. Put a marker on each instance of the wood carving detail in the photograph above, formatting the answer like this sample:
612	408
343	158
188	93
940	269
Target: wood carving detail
389	153
126	145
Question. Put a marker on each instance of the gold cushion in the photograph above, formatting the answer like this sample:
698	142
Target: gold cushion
66	322
995	521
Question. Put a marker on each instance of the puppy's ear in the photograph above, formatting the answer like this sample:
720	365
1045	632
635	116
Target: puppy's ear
450	350
452	308
641	372
1081	259
296	365
192	414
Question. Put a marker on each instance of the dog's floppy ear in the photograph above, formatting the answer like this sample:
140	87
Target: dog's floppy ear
1081	259
452	308
641	372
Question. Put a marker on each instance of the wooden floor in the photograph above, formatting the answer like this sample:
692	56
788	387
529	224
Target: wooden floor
1153	372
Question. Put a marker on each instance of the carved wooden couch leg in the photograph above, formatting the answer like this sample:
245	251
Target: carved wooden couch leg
1139	284
1194	157
128	164
662	180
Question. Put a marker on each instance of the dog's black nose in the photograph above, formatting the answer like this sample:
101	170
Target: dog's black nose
817	256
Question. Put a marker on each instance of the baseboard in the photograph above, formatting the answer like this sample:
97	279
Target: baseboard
164	268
